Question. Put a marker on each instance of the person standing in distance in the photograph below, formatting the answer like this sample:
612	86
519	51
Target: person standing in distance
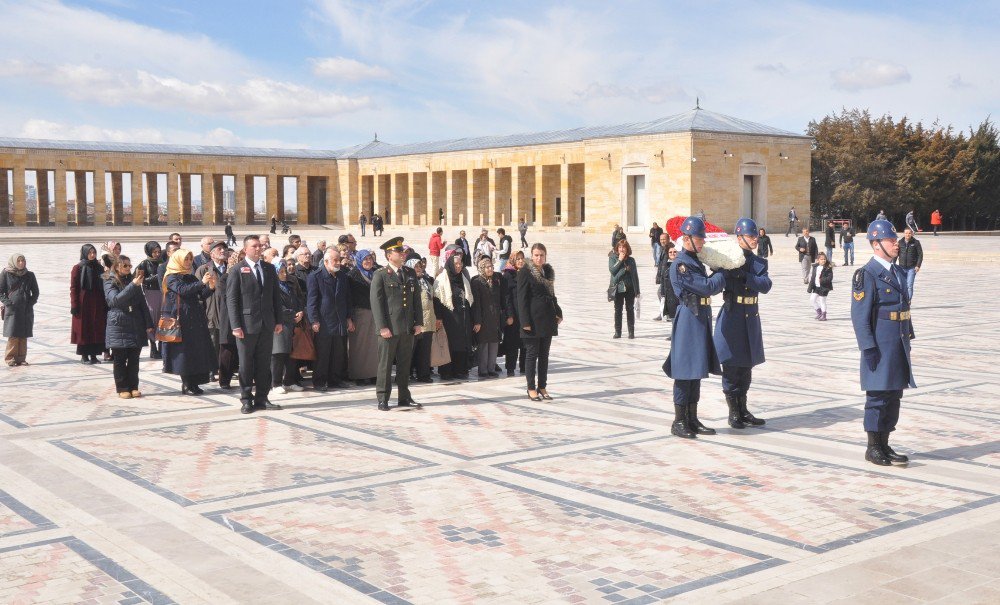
399	316
806	245
691	333
880	312
255	316
793	221
738	337
911	256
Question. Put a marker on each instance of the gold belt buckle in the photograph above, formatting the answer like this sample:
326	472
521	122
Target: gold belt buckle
705	301
746	300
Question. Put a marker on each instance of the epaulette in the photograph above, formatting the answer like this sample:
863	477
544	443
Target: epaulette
859	279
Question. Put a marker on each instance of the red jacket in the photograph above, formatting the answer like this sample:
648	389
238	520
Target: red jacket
435	245
935	218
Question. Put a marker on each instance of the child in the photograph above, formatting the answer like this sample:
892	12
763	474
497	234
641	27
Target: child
820	284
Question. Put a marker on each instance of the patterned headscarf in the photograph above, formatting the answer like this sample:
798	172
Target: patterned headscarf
359	258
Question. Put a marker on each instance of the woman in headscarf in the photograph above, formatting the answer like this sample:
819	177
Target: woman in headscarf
193	358
151	288
489	314
362	343
18	294
512	347
284	369
453	304
422	343
112	250
87	304
129	324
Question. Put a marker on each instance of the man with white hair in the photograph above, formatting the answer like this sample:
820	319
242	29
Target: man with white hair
205	257
317	255
329	309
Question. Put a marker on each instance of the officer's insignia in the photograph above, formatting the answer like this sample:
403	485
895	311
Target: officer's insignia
859	295
859	279
682	269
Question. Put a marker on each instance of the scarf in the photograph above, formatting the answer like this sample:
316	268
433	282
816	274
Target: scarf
359	258
443	291
284	285
539	274
90	270
12	265
109	247
175	265
148	249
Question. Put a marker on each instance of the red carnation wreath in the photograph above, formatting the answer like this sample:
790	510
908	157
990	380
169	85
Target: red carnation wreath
674	227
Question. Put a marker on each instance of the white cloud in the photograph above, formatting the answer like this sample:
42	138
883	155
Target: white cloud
36	128
254	101
777	68
654	94
869	73
342	68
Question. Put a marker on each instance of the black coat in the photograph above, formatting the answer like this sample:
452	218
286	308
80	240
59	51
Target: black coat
810	246
361	290
537	308
18	295
764	247
666	291
831	238
825	280
457	321
222	319
194	355
488	308
128	315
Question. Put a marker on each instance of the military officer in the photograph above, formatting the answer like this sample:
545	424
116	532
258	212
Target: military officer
691	333
880	312
738	337
395	300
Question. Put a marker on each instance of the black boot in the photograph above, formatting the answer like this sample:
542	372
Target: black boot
631	334
735	415
745	414
890	454
874	453
618	334
694	424
680	425
154	349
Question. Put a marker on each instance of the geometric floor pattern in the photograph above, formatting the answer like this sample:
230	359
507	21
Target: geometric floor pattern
485	497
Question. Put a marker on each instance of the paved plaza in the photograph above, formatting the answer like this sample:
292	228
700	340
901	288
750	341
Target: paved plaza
485	497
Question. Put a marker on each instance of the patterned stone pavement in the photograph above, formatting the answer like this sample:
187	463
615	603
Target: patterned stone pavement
486	497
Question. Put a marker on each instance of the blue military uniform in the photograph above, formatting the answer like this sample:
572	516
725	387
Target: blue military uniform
738	338
880	312
691	333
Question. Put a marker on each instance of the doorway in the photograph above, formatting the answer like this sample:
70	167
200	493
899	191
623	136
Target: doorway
637	203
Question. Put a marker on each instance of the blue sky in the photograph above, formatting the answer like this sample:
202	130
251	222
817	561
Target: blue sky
328	74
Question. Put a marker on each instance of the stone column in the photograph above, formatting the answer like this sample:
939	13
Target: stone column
274	193
61	218
173	201
42	191
118	199
449	201
80	182
218	198
4	200
432	207
302	199
20	200
470	197
140	214
100	199
539	206
515	201
152	212
417	188
394	205
240	211
209	203
184	197
564	202
376	193
492	217
279	200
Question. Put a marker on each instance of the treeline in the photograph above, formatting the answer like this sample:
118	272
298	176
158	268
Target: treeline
862	165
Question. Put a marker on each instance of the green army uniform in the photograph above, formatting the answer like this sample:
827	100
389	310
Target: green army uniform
395	300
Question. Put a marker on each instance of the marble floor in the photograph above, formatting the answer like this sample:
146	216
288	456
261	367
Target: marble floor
485	497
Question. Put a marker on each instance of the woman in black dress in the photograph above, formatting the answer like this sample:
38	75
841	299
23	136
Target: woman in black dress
453	306
151	288
194	358
512	346
540	316
87	304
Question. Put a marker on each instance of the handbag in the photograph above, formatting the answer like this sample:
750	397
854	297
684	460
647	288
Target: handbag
168	329
440	355
303	347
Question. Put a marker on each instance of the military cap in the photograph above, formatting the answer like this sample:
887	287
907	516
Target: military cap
395	243
746	226
693	225
881	229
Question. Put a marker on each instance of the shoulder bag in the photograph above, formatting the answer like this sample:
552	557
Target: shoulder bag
168	329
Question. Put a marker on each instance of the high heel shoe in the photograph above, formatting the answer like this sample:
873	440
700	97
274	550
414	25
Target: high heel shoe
545	394
535	397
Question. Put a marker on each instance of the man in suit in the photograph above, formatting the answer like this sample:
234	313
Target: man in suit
806	245
254	304
230	237
217	298
880	312
328	307
205	257
738	337
793	221
398	315
692	356
463	243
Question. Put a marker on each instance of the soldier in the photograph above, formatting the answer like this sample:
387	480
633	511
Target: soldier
398	316
692	330
880	312
738	338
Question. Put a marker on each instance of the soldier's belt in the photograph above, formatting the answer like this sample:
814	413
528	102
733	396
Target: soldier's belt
746	300
691	299
705	302
894	315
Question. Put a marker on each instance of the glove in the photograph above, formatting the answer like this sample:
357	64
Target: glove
75	311
872	357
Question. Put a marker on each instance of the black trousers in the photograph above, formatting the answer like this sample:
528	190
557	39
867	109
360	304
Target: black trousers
513	346
626	299
229	360
736	380
330	366
255	365
400	349
537	361
524	242
126	369
422	355
283	369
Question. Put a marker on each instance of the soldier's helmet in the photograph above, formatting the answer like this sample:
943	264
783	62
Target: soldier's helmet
693	226
881	229
746	226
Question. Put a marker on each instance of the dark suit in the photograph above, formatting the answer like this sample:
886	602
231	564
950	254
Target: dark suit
395	300
466	251
809	257
256	309
329	305
202	259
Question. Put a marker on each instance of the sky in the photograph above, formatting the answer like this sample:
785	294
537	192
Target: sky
328	74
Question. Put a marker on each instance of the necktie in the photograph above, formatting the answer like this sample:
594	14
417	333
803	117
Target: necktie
260	278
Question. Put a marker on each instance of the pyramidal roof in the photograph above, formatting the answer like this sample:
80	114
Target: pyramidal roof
694	120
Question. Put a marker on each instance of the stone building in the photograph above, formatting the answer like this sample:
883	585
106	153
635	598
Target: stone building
592	177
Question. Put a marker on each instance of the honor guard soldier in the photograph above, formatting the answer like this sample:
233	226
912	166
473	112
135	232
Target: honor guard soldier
880	312
691	333
738	338
395	300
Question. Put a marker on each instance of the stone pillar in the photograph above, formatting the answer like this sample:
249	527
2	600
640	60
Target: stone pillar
492	216
416	200
118	199
564	202
20	199
449	195
42	191
4	199
471	216
432	206
515	201
61	210
209	203
80	182
152	212
376	191
173	201
275	192
139	213
279	200
302	199
218	198
240	211
184	197
577	183
100	199
538	208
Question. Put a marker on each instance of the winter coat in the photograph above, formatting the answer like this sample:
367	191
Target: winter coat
128	315
194	355
537	308
222	318
624	274
877	295
361	289
739	340
691	333
89	323
18	293
290	305
329	302
825	280
216	301
456	313
488	308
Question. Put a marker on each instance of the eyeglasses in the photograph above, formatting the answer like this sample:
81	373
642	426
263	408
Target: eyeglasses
126	266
